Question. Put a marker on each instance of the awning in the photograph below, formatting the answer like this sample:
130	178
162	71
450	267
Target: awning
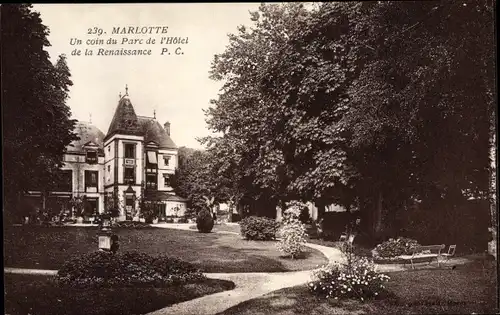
152	157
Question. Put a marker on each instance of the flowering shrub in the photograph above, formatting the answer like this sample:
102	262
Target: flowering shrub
126	269
356	278
395	247
258	228
293	235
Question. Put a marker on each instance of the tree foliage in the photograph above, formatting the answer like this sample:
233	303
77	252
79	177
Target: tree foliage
368	104
192	179
36	120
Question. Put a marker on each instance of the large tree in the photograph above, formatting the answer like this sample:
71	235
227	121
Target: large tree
368	101
36	120
192	180
420	110
284	82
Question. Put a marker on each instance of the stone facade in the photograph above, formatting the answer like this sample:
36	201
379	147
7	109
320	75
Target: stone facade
134	161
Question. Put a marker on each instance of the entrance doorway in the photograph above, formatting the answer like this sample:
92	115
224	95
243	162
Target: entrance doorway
129	207
93	207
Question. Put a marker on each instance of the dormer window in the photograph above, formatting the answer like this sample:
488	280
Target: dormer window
91	157
151	162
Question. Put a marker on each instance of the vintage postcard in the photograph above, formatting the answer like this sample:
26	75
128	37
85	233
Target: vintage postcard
250	158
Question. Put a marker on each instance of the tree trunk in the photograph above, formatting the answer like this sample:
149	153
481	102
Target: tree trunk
377	220
230	211
492	246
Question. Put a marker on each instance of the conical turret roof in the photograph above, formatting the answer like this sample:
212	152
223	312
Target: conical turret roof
125	120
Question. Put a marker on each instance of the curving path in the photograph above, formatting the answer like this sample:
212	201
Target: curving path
248	285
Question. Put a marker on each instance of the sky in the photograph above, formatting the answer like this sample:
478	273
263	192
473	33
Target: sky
176	87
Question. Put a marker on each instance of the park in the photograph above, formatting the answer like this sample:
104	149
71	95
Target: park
347	163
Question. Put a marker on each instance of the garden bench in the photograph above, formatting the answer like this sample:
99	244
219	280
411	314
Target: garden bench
429	252
347	238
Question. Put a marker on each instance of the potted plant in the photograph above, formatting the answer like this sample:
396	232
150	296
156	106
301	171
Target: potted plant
148	212
78	204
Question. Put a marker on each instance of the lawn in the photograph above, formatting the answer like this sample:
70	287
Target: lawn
49	247
463	290
222	227
28	294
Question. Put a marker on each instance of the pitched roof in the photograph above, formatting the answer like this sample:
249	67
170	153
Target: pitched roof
88	134
152	130
125	120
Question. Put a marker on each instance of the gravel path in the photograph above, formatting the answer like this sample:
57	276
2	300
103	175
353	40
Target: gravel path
247	285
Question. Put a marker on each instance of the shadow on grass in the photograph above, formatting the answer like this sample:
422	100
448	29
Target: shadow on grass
28	294
466	289
49	247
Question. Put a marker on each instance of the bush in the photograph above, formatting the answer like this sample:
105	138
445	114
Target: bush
355	279
304	216
126	269
293	236
235	217
131	225
333	224
258	228
395	247
204	221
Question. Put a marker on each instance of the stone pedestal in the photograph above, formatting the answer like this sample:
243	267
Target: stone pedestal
492	248
492	245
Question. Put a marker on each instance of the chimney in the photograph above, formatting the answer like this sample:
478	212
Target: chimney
167	128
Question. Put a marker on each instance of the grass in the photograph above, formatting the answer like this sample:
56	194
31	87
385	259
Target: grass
49	247
467	289
221	227
28	294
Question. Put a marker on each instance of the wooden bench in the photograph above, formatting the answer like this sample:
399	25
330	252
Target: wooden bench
425	253
347	238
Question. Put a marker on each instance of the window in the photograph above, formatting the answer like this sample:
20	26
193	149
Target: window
91	157
129	174
151	181
129	151
166	180
151	162
109	168
91	179
166	160
152	157
109	148
66	181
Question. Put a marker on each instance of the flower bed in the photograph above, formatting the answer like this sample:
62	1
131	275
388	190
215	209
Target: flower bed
259	228
131	225
354	279
393	248
126	269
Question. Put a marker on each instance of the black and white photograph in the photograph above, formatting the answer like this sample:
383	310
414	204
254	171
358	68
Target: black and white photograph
266	158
